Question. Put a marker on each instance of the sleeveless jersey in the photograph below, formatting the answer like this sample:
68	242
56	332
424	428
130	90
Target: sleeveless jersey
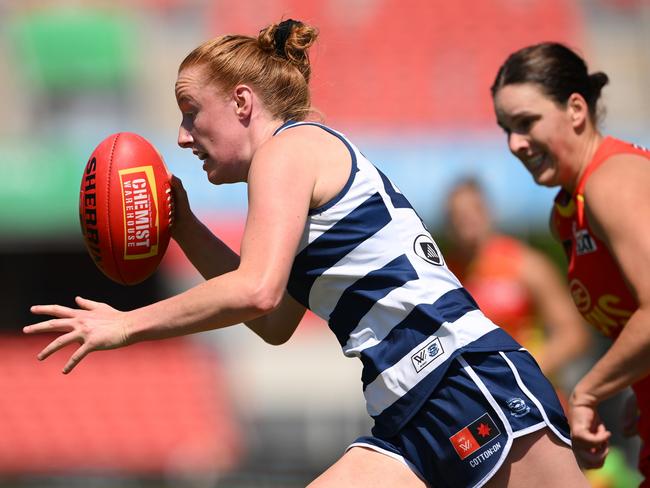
367	265
595	280
494	278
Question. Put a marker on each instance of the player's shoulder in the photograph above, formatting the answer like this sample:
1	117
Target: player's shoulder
304	129
619	173
304	142
299	134
616	192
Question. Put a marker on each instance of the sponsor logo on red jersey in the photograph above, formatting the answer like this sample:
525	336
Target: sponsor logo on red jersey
585	244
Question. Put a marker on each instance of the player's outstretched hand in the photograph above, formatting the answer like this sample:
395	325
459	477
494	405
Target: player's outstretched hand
94	325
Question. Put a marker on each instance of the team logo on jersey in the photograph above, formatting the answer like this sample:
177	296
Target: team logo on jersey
475	435
427	250
580	295
428	353
585	244
518	407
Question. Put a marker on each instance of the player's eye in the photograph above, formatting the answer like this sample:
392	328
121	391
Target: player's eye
188	117
524	124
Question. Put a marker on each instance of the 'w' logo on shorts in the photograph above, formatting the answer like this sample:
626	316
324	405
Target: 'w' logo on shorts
470	438
428	353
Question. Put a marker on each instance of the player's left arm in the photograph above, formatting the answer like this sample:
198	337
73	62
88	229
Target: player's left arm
281	183
618	209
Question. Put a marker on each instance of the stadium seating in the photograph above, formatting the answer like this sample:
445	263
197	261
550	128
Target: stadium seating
157	409
425	64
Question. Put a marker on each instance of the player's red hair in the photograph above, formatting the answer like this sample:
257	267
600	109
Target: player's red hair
275	64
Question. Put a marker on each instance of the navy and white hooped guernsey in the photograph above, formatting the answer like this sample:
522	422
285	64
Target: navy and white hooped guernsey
368	266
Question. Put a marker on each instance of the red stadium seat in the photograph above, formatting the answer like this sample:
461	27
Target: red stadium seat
421	64
153	409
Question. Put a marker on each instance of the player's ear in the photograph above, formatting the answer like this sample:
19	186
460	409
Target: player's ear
243	98
578	110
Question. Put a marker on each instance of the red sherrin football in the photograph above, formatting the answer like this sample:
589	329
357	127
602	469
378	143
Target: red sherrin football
125	207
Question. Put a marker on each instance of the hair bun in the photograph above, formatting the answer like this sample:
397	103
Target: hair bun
290	40
281	34
598	80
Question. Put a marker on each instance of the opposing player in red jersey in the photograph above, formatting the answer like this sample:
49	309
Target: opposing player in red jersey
546	101
515	285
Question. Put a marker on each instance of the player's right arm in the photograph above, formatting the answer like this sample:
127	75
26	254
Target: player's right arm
212	257
208	254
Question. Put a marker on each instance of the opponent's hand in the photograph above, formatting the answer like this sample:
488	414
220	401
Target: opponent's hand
96	326
589	436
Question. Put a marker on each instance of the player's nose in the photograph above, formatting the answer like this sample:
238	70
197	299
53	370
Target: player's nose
185	139
517	142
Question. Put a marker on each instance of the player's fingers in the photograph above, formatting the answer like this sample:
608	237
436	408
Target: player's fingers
586	437
176	182
86	304
591	447
178	193
54	325
601	435
592	459
78	355
58	343
53	310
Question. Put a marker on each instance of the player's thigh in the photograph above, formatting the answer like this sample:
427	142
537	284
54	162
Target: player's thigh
364	468
539	460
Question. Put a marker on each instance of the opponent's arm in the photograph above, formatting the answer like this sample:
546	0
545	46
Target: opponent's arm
616	213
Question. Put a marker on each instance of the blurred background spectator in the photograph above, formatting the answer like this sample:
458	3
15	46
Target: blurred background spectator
515	285
408	79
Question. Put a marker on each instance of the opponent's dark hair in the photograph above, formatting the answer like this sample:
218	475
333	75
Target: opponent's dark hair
275	63
557	70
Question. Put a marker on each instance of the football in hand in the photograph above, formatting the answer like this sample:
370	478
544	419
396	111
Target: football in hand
125	207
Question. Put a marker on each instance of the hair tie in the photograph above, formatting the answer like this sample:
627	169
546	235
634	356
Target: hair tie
281	34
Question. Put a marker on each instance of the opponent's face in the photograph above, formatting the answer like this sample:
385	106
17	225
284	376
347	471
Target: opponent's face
210	127
539	131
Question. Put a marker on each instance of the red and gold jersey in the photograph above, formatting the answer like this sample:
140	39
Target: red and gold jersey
494	279
595	280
